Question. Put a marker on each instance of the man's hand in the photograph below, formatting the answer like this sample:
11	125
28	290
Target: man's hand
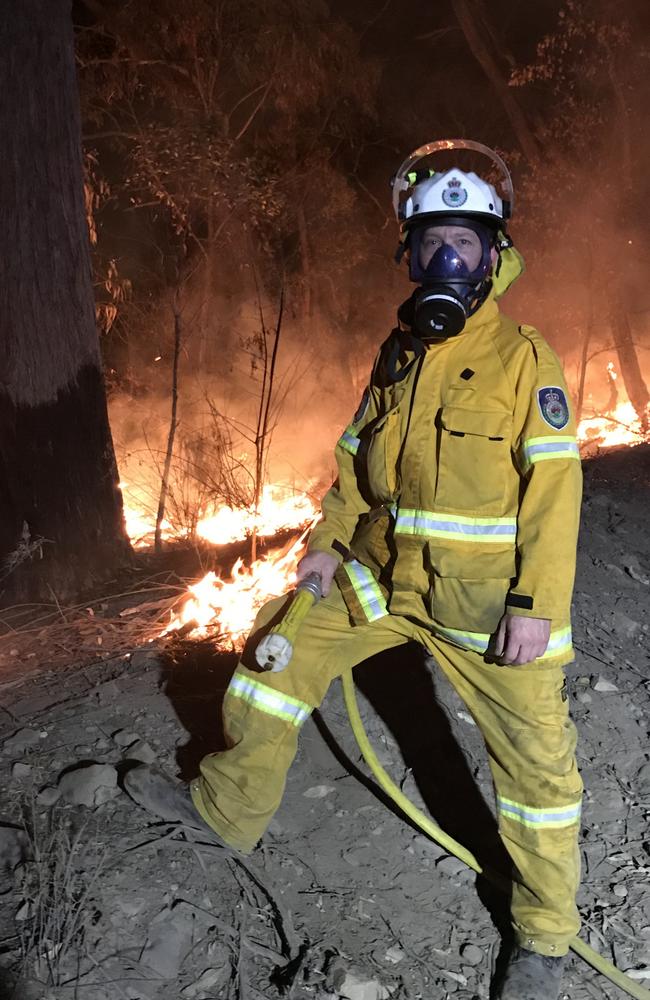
520	639
321	563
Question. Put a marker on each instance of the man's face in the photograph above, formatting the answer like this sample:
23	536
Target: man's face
464	241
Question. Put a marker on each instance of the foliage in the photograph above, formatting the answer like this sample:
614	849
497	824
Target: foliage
585	77
221	115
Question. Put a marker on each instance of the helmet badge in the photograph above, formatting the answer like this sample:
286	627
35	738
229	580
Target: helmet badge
454	194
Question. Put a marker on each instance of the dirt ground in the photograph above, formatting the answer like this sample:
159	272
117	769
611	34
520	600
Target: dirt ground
344	899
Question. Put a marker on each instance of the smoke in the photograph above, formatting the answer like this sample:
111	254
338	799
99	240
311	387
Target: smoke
585	266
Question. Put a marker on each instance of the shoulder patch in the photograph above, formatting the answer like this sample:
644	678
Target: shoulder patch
553	406
363	406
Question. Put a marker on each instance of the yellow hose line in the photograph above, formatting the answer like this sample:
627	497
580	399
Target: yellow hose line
432	830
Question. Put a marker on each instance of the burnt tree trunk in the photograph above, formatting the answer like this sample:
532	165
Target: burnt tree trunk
173	425
305	257
635	385
472	18
61	520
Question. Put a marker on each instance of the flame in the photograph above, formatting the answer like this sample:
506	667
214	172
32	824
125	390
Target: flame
622	426
225	610
275	513
279	509
140	525
619	425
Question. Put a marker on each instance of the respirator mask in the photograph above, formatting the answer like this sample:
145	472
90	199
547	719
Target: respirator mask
452	263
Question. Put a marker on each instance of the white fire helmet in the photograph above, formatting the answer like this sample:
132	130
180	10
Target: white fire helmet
421	195
452	193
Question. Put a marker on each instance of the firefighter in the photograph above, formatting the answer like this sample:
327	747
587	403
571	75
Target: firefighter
453	522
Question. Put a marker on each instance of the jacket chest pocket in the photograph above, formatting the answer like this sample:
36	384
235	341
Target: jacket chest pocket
383	455
473	459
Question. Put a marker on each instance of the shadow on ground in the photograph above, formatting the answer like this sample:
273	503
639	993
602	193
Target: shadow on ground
402	689
409	697
195	678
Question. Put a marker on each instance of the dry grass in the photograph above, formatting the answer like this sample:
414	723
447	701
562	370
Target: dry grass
57	887
52	635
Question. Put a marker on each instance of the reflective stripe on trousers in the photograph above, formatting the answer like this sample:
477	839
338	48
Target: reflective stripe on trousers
267	700
539	819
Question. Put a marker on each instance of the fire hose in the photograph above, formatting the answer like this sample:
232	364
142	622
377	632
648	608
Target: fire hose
274	652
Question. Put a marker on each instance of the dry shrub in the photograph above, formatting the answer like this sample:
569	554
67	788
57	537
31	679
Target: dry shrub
209	470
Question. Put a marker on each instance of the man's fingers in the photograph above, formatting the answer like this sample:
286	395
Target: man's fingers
321	563
528	652
521	640
511	651
304	568
500	638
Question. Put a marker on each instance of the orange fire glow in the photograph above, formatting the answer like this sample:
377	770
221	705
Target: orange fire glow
278	510
225	610
275	514
620	425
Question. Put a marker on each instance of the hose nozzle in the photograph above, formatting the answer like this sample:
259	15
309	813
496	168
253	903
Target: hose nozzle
275	650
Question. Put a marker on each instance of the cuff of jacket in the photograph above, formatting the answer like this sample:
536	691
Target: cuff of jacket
335	548
525	606
526	613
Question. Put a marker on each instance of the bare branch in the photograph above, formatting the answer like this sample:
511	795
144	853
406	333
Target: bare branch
257	107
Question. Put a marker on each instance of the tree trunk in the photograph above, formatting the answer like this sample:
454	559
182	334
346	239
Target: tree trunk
582	373
588	333
206	322
469	17
173	424
264	429
61	520
627	356
305	259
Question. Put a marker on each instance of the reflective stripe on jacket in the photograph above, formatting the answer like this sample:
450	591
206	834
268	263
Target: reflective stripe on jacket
459	485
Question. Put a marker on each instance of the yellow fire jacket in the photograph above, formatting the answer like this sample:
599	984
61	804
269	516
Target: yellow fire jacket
459	486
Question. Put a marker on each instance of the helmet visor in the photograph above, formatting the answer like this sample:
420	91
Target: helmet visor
407	175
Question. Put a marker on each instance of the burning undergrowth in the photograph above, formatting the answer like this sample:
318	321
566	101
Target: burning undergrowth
240	553
608	418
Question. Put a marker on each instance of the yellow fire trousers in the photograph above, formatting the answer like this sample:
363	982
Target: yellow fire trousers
521	712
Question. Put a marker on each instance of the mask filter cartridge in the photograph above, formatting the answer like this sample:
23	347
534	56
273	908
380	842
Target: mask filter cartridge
438	313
